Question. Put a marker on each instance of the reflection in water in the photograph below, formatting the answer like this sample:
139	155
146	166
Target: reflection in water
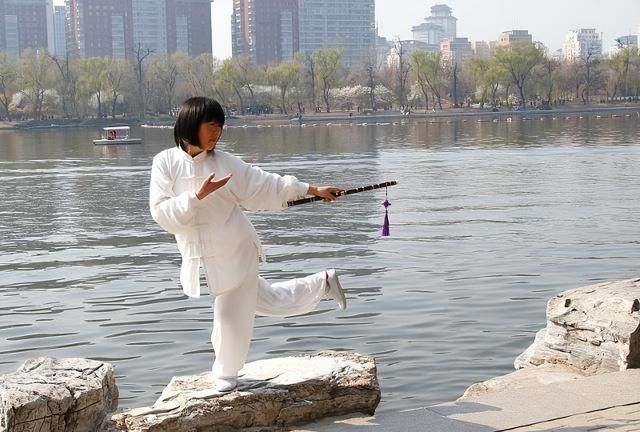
488	221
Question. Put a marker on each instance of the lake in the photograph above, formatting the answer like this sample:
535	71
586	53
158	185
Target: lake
488	221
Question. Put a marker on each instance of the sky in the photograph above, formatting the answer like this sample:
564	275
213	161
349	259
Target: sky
547	20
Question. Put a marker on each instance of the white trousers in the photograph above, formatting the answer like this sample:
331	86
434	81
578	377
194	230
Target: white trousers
235	310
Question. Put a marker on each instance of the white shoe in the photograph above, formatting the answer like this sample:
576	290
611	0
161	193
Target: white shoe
335	290
224	385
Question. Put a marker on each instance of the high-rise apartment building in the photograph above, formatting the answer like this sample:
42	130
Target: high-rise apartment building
267	31
150	24
345	24
100	28
115	28
582	44
189	26
512	36
60	31
23	24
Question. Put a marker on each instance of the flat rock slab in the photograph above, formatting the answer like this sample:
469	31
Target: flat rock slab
271	394
523	378
57	395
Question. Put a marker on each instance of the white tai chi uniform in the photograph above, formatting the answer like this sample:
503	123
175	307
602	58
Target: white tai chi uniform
215	233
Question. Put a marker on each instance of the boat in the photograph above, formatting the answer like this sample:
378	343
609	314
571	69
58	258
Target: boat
116	135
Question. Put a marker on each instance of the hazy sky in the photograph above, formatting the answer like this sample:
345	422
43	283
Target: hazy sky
547	20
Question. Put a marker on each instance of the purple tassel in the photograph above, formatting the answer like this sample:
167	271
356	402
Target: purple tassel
385	226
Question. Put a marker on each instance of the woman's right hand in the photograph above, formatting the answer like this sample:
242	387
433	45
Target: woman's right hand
211	185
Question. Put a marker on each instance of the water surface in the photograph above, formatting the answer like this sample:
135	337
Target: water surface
488	221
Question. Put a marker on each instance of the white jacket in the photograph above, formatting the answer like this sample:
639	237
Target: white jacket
214	228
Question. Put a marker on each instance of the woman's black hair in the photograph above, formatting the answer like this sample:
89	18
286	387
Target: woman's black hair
194	112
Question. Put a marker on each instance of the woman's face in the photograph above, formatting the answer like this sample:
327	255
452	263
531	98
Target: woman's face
208	135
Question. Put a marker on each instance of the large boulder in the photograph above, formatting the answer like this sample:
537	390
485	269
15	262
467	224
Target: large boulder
57	395
594	329
272	393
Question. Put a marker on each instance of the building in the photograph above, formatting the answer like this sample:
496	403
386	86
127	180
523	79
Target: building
189	26
383	48
23	24
440	25
512	36
582	44
405	48
628	41
99	28
481	49
115	28
456	50
348	25
59	31
150	24
266	31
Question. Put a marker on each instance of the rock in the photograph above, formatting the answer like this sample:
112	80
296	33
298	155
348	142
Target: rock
595	329
61	395
529	377
271	394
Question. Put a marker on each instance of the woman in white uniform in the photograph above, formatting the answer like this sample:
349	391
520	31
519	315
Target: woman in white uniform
197	193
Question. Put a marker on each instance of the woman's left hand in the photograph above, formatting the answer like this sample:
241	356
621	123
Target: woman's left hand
327	193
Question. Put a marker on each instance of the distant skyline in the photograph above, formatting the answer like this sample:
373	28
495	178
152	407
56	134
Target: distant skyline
547	20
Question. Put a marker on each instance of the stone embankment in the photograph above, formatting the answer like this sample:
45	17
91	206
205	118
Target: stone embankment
79	395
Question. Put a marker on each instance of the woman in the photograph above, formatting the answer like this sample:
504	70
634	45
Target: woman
197	193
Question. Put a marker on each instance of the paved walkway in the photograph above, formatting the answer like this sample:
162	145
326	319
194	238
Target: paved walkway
599	403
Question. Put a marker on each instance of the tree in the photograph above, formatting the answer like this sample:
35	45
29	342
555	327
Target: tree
402	68
93	79
310	67
249	74
8	82
229	75
547	78
621	67
118	74
429	73
164	71
369	75
328	61
284	77
140	56
68	86
519	59
590	60
199	74
34	78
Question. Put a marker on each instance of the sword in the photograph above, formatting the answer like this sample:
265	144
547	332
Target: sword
346	192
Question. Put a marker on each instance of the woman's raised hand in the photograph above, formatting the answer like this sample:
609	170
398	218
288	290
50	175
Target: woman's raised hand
327	193
211	185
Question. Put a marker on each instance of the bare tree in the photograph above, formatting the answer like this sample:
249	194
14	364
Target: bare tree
590	60
140	55
68	87
403	68
310	65
371	69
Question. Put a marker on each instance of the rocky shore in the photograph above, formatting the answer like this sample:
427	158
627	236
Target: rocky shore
580	370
